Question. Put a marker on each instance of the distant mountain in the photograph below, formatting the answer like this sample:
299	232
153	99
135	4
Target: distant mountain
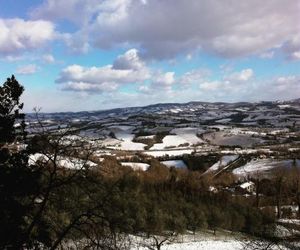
164	108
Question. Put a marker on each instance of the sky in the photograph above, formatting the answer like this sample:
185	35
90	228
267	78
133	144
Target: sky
76	55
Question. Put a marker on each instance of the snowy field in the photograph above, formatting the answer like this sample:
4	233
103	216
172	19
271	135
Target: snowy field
170	141
61	161
124	141
189	134
205	245
183	136
174	163
160	153
198	241
262	165
200	245
224	161
231	139
136	165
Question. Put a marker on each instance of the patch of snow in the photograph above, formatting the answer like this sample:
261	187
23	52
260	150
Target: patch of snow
290	221
169	141
189	134
224	161
246	184
283	106
160	153
208	244
124	139
261	165
174	163
136	165
145	137
61	161
225	120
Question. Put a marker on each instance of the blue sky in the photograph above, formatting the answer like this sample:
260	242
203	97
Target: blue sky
77	55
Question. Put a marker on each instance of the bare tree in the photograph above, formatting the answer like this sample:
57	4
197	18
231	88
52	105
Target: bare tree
155	242
74	185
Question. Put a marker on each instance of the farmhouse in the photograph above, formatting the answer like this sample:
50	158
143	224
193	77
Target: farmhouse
246	187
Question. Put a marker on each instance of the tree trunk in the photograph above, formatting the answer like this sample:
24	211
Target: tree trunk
278	201
257	198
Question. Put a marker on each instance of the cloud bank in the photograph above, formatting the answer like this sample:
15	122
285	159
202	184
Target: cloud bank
164	29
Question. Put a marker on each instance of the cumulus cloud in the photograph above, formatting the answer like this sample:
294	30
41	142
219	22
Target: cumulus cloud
194	76
130	60
126	69
214	85
67	9
287	84
244	75
88	87
18	35
27	69
164	29
163	81
111	11
233	90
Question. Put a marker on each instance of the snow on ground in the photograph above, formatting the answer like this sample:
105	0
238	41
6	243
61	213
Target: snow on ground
100	152
169	141
224	161
261	165
174	163
73	163
160	153
205	245
61	161
231	139
124	136
189	134
226	120
192	242
290	221
136	165
282	231
143	137
127	144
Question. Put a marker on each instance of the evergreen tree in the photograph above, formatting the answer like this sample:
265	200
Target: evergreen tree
18	181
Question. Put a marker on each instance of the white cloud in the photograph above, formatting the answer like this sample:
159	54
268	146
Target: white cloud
111	11
19	35
130	60
194	76
213	85
89	87
244	75
67	9
77	42
296	55
48	58
164	29
292	47
144	89
27	69
127	69
13	58
162	82
280	88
